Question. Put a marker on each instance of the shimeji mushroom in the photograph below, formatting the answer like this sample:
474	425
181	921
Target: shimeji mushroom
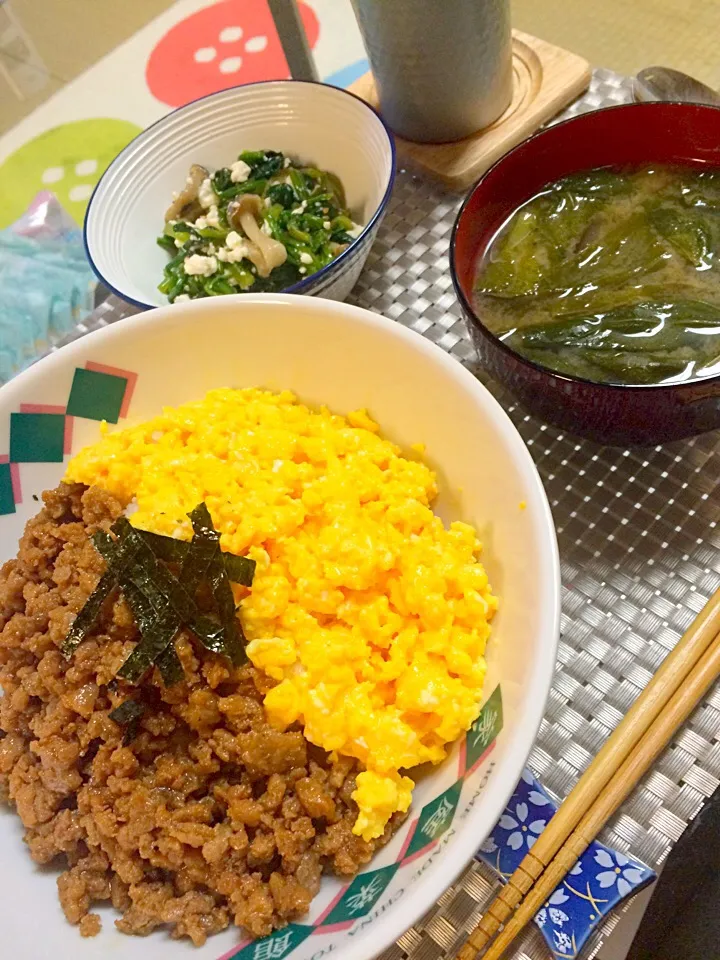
265	252
185	205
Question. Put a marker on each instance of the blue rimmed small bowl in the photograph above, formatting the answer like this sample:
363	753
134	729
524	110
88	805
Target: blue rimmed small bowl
317	124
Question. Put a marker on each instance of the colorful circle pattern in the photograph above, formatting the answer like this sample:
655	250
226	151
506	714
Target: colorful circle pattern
68	160
224	45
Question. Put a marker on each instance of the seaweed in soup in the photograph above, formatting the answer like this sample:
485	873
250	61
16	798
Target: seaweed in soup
611	275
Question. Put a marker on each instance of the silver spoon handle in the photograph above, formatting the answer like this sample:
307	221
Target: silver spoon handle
288	24
663	83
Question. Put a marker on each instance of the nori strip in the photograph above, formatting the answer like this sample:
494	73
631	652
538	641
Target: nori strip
205	556
128	710
166	548
222	592
131	732
162	588
202	523
198	557
172	600
140	605
240	569
162	603
85	620
127	715
202	548
154	642
150	576
168	662
170	667
115	553
116	556
220	583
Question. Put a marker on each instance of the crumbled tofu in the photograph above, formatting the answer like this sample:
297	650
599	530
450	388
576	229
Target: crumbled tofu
327	225
199	266
238	254
265	227
201	223
302	269
181	298
356	230
301	208
305	258
286	162
268	202
239	171
178	243
232	256
212	217
206	194
236	248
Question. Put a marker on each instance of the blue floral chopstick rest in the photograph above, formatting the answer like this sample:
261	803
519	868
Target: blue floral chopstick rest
598	882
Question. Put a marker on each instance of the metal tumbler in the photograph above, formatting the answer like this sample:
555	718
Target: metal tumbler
442	68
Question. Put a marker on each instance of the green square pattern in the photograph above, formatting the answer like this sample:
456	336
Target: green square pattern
96	396
485	729
435	818
361	896
275	946
7	500
37	437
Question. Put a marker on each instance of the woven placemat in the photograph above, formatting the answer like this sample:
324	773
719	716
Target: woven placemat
640	551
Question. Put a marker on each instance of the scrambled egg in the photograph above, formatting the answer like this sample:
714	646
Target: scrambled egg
371	616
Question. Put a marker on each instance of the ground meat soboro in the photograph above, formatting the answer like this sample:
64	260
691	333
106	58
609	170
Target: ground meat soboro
209	817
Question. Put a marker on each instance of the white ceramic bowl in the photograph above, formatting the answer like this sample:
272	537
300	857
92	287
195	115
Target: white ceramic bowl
322	125
346	358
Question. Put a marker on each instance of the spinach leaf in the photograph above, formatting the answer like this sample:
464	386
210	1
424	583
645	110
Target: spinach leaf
263	163
640	343
687	231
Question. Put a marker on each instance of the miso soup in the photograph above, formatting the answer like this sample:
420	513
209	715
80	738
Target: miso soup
611	275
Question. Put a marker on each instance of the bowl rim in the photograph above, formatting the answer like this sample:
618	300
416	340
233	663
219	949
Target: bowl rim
471	313
301	285
427	889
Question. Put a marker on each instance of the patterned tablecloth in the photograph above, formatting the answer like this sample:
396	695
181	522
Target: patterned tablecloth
640	551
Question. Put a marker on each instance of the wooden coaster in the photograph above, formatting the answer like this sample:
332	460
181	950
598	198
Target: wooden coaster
546	78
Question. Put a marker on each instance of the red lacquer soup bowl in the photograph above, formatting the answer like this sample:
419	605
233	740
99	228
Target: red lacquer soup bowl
633	135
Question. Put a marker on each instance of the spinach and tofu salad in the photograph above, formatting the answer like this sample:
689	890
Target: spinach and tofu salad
259	225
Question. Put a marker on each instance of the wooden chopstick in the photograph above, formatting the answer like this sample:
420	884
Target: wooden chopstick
673	677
